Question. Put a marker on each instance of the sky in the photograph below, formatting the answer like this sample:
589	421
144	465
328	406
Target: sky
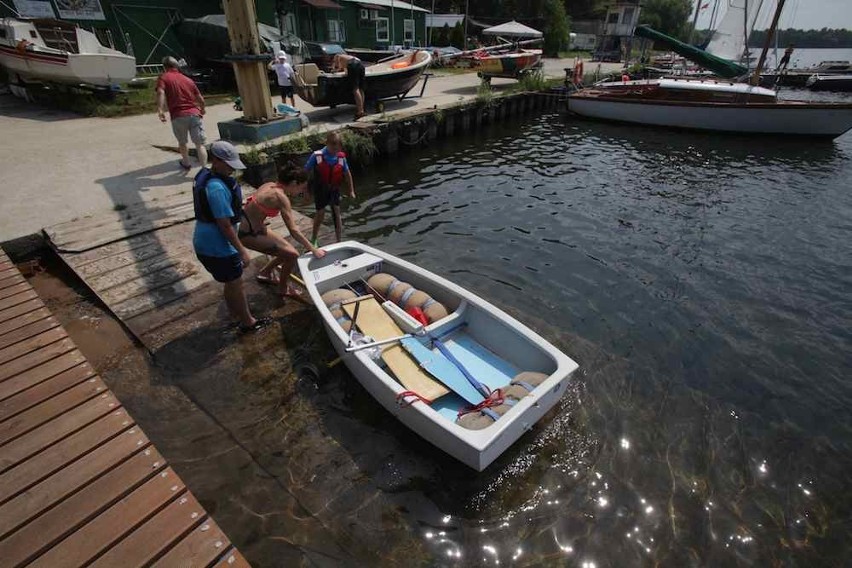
802	14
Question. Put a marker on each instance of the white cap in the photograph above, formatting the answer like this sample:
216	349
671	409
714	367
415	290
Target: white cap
282	55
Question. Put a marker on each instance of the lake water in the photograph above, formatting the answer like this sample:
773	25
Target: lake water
703	283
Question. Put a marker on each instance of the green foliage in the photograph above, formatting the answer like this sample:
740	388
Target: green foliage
556	28
484	95
824	38
360	148
255	156
457	36
441	36
670	17
534	81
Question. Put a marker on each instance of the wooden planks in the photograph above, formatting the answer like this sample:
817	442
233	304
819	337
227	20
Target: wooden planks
375	322
79	480
144	267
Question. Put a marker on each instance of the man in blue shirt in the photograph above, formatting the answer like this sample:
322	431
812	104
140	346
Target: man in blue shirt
218	203
331	171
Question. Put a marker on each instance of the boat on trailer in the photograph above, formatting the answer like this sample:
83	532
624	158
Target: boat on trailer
460	373
720	106
56	51
510	65
391	78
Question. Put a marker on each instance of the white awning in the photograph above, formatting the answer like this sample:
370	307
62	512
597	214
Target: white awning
396	4
512	29
441	20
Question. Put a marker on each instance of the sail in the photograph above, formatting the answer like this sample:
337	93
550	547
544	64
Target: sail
719	66
728	41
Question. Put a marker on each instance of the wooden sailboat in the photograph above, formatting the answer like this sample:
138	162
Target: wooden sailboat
722	106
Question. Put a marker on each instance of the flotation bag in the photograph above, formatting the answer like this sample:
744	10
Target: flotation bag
404	295
333	300
200	202
501	401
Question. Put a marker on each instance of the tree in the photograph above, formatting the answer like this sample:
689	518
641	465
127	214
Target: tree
457	36
441	37
670	17
556	28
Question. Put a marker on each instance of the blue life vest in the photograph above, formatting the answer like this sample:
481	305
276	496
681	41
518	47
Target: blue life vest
203	212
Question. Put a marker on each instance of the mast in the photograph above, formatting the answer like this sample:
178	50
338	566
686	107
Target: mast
745	33
694	21
770	33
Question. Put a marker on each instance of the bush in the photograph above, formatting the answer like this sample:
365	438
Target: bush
360	148
457	36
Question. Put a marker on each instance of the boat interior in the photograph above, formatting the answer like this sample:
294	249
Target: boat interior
684	92
485	347
309	73
58	34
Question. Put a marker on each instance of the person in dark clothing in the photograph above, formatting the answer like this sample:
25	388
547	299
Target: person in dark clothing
356	73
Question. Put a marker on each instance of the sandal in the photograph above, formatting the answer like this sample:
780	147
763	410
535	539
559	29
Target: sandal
259	323
270	280
183	166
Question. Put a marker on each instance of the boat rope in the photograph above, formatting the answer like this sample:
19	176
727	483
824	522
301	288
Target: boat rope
483	390
496	398
407	398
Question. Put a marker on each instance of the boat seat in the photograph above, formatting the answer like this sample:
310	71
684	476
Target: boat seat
307	74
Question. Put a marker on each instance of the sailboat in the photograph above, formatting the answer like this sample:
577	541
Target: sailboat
730	105
729	39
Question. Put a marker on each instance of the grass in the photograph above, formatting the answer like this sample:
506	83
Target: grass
484	94
359	147
108	105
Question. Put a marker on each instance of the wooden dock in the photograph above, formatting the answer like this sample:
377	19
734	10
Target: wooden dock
140	262
80	483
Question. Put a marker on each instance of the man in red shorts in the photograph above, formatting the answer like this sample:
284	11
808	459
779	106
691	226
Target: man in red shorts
186	107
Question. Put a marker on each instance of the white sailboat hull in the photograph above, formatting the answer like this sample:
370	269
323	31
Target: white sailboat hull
493	329
88	68
787	118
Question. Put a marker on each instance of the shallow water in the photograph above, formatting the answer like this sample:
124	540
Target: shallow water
703	284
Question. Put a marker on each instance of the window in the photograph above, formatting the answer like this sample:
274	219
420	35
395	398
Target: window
612	18
336	31
408	31
289	24
365	14
382	30
628	16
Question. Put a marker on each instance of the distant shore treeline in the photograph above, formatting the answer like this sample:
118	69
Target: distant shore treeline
824	38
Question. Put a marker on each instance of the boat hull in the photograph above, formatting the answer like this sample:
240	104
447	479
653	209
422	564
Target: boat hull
379	83
101	70
510	66
475	448
818	120
833	84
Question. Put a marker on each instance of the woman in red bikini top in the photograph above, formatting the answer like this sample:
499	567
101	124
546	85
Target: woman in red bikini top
269	201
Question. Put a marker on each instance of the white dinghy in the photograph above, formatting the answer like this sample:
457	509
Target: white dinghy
461	373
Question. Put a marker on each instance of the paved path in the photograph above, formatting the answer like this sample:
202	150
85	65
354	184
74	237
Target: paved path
58	166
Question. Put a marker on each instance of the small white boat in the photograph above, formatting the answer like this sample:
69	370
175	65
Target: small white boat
710	105
60	52
835	83
416	376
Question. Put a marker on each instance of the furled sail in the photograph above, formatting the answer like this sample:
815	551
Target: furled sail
719	66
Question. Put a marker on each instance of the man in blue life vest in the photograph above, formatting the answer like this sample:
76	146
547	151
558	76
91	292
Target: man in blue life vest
330	171
218	199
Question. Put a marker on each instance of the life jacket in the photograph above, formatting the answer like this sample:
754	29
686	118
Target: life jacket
203	212
326	173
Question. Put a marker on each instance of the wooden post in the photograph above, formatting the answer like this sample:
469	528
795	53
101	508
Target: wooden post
252	81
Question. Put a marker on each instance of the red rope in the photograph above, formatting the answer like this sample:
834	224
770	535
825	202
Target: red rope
403	402
496	398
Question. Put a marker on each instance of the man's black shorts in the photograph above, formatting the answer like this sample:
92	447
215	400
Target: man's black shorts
325	195
223	268
356	72
286	91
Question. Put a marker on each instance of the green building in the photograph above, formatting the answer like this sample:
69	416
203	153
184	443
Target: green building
146	29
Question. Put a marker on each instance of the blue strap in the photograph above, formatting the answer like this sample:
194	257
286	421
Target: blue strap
510	401
490	414
524	384
428	303
408	293
342	319
452	358
391	286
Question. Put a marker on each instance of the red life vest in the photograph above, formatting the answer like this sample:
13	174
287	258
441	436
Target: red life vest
328	174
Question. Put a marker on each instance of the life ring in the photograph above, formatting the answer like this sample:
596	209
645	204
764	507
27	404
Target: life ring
578	72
